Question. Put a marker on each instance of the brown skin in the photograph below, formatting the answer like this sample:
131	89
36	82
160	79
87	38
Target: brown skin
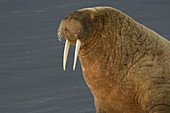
125	65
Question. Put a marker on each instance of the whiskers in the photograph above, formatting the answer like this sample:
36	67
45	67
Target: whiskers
59	34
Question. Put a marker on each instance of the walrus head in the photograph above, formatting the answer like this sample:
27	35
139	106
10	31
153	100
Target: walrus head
80	28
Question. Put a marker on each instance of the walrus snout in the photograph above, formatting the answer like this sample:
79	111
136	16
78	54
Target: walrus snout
75	28
79	28
72	30
76	25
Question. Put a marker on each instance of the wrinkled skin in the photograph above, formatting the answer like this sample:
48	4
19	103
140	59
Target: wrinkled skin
125	64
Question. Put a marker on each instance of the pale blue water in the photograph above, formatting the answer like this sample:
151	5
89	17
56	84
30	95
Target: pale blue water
31	76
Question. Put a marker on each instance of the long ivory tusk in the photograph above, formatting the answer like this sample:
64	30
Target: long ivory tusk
66	50
78	44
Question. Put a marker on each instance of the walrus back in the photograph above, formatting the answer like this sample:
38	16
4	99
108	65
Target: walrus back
152	72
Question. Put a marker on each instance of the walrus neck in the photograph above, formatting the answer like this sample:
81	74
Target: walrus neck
87	47
116	53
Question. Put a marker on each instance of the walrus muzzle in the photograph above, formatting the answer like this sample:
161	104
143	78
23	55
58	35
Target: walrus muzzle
74	28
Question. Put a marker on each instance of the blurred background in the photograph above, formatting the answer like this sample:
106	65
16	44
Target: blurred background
31	76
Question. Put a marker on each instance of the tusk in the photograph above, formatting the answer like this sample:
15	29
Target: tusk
66	50
78	44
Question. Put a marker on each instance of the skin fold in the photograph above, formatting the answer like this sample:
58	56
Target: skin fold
125	64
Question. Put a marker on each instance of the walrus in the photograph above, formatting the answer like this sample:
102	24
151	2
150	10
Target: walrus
125	64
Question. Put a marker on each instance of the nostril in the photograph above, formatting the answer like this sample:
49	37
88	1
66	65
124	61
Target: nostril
66	29
67	32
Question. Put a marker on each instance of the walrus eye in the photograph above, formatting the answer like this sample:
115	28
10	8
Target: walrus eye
96	19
